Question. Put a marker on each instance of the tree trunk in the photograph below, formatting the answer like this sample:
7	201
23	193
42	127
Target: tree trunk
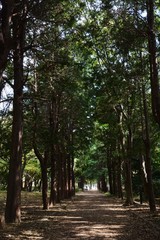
53	179
114	174
54	123
148	156
119	181
143	172
128	183
128	171
58	176
61	174
103	184
72	172
44	181
152	48
69	175
43	164
13	203
110	176
119	173
65	176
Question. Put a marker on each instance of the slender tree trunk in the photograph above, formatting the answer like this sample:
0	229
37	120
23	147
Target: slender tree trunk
43	164
126	147
13	203
128	183
62	181
148	156
71	162
53	178
69	175
127	171
65	176
54	124
119	181
103	184
81	182
53	132
58	176
155	94
43	160
72	173
110	176
143	177
114	172
119	175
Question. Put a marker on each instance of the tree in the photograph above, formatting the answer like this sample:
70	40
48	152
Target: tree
152	49
19	29
13	212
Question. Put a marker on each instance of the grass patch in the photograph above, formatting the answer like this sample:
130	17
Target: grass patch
108	194
3	195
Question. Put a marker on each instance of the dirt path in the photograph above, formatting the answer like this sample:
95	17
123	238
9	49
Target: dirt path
89	216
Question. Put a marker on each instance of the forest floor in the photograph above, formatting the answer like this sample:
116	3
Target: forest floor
90	215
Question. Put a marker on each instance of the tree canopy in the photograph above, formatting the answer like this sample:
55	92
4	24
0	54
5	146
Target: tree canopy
82	99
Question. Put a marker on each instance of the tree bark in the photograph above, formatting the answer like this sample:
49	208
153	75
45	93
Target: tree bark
103	184
65	187
119	181
69	175
127	170
58	175
13	202
110	176
44	181
143	176
43	164
152	48
147	144
54	124
52	200
72	172
119	173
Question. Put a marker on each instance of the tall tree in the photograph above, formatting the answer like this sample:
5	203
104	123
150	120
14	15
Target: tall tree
13	212
152	48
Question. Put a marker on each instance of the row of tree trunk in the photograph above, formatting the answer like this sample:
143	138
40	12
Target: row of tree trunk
60	177
61	163
145	157
119	168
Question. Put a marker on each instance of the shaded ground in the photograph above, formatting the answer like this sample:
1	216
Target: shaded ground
90	215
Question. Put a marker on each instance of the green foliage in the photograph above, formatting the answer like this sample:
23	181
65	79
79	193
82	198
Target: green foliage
5	144
32	167
3	174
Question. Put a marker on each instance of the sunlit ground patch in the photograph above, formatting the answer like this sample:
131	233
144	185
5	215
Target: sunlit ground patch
28	234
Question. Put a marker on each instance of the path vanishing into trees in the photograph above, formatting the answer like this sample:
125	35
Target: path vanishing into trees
90	215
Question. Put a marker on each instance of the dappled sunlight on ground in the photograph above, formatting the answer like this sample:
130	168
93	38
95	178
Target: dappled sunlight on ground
90	215
98	230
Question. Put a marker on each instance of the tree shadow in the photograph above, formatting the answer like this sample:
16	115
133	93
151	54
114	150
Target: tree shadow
88	216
